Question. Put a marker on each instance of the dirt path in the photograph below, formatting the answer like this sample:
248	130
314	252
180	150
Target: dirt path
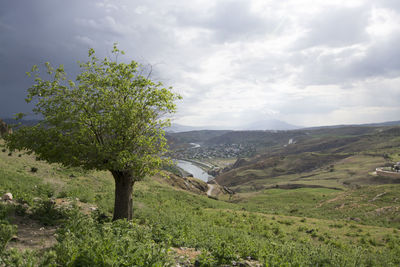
210	189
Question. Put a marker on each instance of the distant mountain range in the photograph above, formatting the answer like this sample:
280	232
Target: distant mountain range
378	124
272	124
177	128
269	124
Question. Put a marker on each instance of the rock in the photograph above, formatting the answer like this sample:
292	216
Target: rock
7	197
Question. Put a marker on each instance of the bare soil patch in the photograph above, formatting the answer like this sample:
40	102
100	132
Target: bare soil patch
31	234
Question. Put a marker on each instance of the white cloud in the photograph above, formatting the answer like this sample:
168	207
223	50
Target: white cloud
383	22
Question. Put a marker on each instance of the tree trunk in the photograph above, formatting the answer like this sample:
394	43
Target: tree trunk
123	195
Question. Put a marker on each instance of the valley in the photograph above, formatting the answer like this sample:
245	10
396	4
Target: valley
312	201
325	168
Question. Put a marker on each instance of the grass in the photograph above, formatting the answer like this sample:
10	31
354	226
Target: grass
301	227
360	205
352	171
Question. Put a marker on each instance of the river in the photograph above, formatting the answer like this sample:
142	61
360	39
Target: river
196	171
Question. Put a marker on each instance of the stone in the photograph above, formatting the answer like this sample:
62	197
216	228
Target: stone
7	197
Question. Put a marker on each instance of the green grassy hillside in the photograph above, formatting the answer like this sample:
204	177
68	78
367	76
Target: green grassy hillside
72	208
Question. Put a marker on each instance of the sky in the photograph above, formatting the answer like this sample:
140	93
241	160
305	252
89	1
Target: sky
305	62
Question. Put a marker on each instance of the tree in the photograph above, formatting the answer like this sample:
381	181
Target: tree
111	118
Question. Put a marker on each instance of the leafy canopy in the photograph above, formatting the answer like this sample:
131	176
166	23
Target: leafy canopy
111	118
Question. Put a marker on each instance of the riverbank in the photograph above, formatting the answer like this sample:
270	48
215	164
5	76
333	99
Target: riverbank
193	169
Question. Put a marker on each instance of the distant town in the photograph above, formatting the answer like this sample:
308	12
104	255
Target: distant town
215	151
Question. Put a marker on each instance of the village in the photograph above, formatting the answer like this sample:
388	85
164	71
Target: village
215	151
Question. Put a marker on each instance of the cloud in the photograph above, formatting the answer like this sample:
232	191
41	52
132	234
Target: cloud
335	27
234	61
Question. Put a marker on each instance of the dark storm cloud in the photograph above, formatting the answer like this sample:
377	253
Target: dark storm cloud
32	32
61	32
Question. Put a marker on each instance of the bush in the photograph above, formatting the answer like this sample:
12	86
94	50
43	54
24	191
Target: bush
48	214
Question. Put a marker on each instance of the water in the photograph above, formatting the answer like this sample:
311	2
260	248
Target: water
191	168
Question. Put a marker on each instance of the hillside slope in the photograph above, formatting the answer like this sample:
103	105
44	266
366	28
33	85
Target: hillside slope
322	159
174	227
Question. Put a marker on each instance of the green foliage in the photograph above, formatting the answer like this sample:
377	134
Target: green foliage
14	257
110	118
7	231
83	242
48	214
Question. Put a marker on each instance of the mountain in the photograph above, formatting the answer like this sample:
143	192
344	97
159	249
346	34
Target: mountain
387	123
377	124
177	128
270	124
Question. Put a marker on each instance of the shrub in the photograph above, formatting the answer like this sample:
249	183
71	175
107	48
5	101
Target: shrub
47	213
83	242
7	231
